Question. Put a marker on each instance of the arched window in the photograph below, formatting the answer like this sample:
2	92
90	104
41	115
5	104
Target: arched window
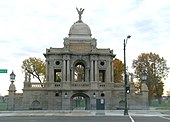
79	72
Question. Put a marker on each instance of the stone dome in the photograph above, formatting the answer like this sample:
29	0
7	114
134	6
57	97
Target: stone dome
80	29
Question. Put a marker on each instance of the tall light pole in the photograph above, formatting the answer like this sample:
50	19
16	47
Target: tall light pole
125	77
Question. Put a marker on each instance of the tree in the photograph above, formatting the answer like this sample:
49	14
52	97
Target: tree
118	70
36	67
157	71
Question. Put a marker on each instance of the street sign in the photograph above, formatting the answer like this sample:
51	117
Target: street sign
3	70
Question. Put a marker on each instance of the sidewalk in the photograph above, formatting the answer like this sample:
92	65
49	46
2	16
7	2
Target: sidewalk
45	113
85	113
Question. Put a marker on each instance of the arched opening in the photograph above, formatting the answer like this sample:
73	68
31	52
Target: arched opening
79	72
121	104
80	101
35	105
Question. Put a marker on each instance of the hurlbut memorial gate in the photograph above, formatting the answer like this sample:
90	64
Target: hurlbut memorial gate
79	76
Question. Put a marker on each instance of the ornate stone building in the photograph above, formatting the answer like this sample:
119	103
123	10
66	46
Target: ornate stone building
79	76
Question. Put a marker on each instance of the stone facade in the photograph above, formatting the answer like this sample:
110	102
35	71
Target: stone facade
77	72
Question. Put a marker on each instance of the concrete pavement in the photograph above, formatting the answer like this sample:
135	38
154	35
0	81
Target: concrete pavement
85	113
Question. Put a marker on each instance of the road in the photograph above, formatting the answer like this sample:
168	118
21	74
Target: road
84	119
151	119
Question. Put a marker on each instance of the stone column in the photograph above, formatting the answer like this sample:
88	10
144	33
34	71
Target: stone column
112	70
72	74
11	99
96	71
68	70
51	75
64	70
87	75
91	71
47	70
144	92
108	73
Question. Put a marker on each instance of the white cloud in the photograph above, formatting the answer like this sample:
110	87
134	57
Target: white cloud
27	28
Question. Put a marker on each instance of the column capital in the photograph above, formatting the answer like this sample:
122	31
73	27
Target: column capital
66	57
93	57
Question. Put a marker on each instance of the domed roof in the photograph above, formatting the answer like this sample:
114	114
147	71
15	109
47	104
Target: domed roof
80	28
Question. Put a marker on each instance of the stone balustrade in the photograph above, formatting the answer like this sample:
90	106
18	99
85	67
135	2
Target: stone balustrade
119	85
37	85
80	85
69	85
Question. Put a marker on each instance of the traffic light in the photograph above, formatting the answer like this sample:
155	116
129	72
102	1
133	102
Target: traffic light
127	89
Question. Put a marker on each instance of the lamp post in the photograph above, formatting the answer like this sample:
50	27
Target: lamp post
144	88
144	76
12	77
12	90
125	77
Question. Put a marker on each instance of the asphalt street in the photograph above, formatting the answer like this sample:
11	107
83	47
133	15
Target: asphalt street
151	119
85	116
84	119
67	119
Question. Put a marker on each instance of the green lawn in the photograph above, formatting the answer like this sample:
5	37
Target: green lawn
162	106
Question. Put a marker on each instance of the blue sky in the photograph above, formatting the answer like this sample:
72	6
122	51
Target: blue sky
28	27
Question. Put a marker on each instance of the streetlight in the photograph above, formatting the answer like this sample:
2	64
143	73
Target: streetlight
12	76
144	89
144	76
125	76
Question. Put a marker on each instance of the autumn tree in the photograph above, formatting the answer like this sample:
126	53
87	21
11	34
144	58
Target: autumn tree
157	71
36	67
118	70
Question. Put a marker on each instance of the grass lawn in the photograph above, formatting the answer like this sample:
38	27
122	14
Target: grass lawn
162	106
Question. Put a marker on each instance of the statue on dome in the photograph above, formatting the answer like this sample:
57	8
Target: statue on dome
80	12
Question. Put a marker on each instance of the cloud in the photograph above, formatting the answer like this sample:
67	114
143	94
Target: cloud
29	27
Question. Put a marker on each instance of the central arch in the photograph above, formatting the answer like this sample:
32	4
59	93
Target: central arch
79	71
80	101
35	105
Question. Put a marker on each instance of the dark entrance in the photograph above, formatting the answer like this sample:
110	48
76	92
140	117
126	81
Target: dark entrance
80	101
100	104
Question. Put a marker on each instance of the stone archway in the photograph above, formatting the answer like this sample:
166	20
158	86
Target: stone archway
80	101
35	105
79	71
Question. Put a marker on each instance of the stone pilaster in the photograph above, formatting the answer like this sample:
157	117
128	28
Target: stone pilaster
72	74
96	71
47	70
11	99
91	71
64	70
68	70
112	70
87	74
108	73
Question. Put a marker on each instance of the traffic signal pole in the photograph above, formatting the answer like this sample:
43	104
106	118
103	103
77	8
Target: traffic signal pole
125	80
